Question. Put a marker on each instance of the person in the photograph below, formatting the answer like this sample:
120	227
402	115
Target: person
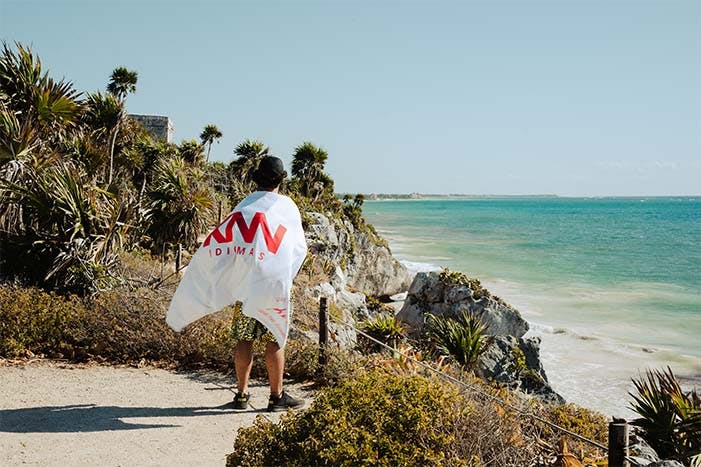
245	329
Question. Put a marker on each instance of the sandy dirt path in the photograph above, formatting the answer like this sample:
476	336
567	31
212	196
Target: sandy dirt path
70	415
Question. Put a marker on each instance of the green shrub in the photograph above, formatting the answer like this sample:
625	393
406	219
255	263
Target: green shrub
670	419
302	363
458	278
461	336
374	419
580	420
36	322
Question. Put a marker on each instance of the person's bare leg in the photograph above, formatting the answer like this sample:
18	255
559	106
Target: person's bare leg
275	364
243	359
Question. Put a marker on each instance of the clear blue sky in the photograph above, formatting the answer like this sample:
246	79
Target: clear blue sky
493	97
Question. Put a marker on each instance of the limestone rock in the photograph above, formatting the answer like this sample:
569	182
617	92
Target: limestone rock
360	259
429	294
516	363
644	455
640	451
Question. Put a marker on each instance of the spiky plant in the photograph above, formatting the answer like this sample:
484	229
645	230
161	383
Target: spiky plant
178	204
249	154
36	112
55	220
308	163
670	419
191	152
461	336
385	328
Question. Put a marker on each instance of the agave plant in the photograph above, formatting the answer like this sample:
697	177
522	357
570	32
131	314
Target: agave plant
670	419
385	328
462	336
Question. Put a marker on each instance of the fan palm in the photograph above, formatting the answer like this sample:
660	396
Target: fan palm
249	154
36	112
59	219
178	203
122	82
191	152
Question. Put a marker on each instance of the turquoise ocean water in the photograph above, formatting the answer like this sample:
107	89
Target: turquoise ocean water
611	285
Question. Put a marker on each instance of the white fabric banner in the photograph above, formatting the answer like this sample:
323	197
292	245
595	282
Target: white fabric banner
252	256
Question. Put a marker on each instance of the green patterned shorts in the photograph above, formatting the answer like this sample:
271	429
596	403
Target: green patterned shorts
245	328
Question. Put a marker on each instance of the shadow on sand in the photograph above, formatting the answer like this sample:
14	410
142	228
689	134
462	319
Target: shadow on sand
91	417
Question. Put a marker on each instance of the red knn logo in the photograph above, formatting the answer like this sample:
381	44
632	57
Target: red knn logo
248	233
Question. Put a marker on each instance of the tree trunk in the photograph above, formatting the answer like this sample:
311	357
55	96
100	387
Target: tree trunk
141	195
114	139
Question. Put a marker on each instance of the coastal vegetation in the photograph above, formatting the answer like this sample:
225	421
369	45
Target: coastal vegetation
94	211
462	337
388	415
670	418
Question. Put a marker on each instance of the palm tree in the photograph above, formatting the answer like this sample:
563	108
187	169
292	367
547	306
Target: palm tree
122	82
65	228
209	135
308	167
250	152
358	200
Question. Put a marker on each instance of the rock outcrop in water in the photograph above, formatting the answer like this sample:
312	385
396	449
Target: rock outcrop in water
361	263
450	294
510	358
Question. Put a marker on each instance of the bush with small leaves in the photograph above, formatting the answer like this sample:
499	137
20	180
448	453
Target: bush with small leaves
375	419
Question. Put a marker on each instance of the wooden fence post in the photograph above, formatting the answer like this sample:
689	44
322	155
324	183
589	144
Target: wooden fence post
323	333
179	257
618	443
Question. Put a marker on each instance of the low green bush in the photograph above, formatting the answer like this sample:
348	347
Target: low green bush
302	363
36	322
375	419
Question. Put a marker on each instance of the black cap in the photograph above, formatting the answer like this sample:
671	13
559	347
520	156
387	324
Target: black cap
270	172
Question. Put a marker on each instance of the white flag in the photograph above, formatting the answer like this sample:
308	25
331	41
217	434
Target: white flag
252	256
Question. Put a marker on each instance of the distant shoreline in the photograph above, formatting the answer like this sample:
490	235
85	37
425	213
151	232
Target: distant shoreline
422	196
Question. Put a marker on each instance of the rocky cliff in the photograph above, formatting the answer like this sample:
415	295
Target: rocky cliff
510	358
360	263
363	259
